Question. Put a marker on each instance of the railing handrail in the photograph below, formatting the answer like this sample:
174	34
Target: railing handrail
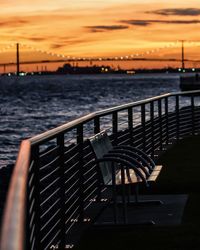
63	128
13	225
13	229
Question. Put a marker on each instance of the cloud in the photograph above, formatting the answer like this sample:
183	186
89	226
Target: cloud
69	43
57	46
138	22
37	39
177	12
13	23
150	22
103	28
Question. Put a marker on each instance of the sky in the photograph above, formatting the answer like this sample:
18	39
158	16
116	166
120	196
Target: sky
100	27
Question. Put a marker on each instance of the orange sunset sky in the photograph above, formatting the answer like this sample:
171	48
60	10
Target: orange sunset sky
101	27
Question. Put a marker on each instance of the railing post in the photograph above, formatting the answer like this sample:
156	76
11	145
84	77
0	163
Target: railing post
177	118
80	165
28	215
36	206
96	131
152	128
193	115
61	144
160	122
166	120
143	120
96	125
115	127
130	124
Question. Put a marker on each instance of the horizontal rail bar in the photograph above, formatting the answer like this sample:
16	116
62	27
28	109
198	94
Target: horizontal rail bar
50	134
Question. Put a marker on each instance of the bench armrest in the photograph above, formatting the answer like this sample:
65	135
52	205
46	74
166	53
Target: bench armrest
124	164
130	159
135	155
144	155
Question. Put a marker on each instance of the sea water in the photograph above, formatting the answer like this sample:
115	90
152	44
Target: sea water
33	104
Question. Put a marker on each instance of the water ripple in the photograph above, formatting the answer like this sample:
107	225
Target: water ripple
31	105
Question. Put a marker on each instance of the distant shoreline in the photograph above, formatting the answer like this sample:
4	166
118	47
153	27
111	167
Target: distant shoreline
111	72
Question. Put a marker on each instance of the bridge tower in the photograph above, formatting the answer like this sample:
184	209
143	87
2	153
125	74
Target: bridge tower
17	59
182	55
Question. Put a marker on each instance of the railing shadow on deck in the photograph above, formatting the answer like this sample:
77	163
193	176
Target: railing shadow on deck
55	180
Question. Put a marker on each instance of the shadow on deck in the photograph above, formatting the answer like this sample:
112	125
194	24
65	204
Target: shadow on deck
177	220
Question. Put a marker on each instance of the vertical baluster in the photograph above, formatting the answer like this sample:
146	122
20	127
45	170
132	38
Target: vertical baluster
152	129
80	165
130	125
177	118
166	120
115	127
143	120
193	115
36	183
96	125
130	128
28	242
96	131
160	123
60	143
29	213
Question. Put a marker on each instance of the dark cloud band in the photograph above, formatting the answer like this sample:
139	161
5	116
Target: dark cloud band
13	23
150	22
177	12
102	28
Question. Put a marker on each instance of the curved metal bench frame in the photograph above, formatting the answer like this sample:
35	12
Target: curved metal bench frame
121	163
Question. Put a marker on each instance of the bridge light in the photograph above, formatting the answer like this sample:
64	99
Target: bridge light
193	69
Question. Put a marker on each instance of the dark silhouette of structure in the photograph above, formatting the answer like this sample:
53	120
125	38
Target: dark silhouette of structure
17	59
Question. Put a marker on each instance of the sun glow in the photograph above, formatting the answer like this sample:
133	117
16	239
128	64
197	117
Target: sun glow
86	28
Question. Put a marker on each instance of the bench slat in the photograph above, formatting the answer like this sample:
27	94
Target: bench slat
154	175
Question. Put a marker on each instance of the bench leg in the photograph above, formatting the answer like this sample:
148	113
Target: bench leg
124	201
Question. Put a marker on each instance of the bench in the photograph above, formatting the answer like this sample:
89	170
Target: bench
123	165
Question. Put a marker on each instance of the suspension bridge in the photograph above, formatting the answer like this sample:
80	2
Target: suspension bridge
21	53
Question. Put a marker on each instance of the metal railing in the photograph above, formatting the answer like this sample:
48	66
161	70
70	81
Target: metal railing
56	181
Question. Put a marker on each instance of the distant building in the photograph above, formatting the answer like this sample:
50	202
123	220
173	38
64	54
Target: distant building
68	69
